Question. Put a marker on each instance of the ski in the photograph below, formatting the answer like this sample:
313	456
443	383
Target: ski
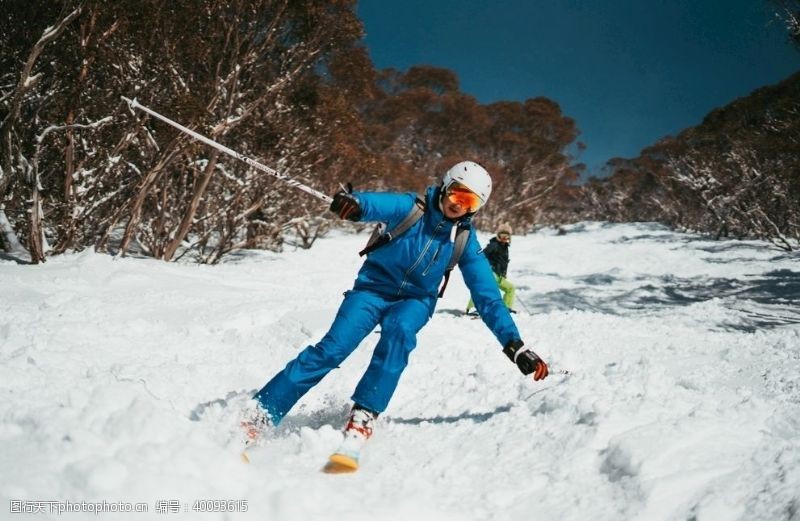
339	463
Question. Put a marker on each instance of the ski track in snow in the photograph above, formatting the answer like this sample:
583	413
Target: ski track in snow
119	382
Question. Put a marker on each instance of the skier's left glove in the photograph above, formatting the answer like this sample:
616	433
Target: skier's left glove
527	361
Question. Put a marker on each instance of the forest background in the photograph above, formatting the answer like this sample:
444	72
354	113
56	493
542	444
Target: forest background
291	85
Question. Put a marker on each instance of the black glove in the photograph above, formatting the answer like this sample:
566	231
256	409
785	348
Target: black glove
345	205
527	361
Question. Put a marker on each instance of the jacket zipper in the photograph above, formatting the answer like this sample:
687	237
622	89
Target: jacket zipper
435	257
419	259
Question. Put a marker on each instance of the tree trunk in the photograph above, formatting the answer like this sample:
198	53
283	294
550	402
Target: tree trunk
9	238
188	217
35	242
144	189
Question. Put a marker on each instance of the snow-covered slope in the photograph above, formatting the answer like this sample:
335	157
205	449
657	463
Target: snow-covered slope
682	402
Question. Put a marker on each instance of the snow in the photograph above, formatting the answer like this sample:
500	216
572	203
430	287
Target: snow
682	402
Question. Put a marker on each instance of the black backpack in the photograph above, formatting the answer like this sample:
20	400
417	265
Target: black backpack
381	237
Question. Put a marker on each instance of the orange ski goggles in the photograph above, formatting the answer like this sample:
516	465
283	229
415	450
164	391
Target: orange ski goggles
464	197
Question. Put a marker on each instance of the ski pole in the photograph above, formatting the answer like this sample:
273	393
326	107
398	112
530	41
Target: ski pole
521	303
133	104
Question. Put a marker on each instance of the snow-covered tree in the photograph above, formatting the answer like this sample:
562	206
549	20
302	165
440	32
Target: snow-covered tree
735	174
263	76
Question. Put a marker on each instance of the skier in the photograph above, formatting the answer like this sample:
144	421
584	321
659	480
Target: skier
396	287
497	254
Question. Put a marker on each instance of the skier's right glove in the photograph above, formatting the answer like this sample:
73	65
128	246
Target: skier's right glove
527	361
345	205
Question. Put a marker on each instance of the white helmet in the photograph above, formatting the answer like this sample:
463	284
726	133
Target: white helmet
473	176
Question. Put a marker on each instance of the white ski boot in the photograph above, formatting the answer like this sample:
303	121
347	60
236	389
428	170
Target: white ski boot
358	430
254	425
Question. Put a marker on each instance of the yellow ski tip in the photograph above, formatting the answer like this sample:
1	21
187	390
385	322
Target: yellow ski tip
245	458
340	464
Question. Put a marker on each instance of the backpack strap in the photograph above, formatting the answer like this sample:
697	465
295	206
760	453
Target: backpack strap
380	238
460	242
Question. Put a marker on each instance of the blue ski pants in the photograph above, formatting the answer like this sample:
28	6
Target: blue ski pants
360	312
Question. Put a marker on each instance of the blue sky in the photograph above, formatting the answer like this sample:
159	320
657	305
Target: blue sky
628	71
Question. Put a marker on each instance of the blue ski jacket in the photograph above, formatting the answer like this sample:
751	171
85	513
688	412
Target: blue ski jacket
413	264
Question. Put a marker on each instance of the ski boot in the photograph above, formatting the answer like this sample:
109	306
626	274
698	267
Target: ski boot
254	425
358	430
